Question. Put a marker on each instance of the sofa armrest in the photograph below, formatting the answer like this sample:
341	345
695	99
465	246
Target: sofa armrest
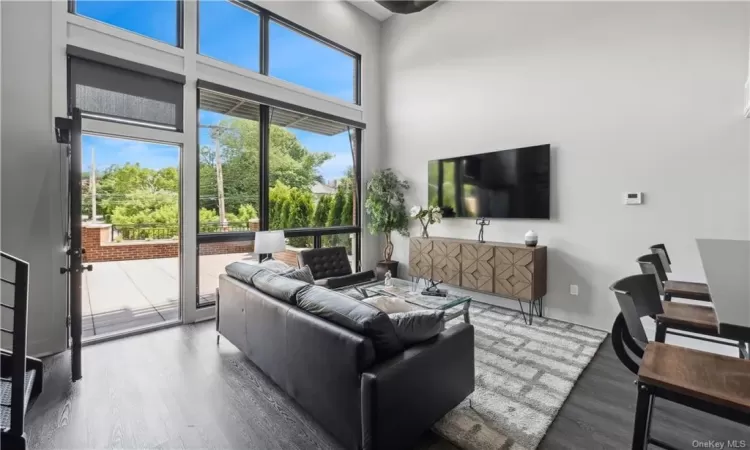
405	395
346	280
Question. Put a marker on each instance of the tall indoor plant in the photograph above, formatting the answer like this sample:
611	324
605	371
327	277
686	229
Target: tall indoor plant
387	212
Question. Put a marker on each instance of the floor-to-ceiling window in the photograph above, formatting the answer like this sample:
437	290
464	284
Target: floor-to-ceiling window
260	163
265	167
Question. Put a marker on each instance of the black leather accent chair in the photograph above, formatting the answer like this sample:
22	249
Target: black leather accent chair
331	268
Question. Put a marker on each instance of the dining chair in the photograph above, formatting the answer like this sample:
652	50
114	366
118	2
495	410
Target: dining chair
699	320
677	289
661	250
715	384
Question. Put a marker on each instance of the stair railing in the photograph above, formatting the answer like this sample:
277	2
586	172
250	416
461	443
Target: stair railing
18	360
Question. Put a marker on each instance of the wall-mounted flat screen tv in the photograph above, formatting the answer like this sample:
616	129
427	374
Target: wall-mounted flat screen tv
503	184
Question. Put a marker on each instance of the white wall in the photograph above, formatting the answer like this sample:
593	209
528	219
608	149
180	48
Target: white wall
30	164
633	97
33	92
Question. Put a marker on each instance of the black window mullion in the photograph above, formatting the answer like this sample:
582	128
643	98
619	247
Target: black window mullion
265	133
264	40
180	24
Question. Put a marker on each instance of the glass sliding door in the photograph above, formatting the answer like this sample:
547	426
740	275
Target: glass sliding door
130	229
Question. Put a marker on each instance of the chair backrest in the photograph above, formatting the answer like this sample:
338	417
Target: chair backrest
326	262
661	250
651	264
638	297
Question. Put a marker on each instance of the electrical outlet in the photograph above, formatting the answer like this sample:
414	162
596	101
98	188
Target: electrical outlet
573	289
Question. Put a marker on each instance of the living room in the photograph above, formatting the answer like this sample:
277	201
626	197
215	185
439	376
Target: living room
631	121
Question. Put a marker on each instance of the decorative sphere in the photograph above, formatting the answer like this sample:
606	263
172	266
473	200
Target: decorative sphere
531	238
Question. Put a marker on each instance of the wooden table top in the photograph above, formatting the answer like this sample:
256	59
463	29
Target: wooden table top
727	267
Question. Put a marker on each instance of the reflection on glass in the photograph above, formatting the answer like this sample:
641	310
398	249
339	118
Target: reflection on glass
506	184
230	33
307	62
156	19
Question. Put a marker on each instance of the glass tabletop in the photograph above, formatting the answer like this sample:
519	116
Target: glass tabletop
411	292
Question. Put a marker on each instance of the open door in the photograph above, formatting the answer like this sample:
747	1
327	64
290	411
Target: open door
68	132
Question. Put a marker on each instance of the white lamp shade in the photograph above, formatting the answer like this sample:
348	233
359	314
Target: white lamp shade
269	241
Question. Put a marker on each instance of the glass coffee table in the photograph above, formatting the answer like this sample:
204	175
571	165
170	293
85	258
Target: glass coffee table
411	292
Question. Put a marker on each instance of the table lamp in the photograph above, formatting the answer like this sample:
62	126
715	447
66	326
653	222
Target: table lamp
269	242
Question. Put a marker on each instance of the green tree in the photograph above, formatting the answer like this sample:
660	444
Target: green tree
246	212
337	209
322	209
238	141
278	197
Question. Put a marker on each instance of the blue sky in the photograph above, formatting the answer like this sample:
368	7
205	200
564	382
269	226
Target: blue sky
231	34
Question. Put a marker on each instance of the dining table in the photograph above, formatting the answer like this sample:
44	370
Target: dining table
726	263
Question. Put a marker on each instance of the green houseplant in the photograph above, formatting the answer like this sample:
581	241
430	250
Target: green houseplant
387	212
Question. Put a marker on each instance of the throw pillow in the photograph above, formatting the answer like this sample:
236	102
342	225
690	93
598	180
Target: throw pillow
279	287
303	274
277	267
390	305
353	315
244	271
414	327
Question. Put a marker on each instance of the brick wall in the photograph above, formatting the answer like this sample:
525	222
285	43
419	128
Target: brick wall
96	241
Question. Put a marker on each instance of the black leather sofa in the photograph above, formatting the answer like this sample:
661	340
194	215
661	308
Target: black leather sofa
331	268
365	390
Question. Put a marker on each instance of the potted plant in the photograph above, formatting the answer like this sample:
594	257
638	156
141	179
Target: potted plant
387	211
427	216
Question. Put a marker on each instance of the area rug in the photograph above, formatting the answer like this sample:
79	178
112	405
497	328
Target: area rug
524	373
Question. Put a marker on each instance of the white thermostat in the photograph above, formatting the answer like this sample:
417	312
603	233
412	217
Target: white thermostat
633	198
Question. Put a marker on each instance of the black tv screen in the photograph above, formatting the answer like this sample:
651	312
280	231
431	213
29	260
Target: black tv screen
503	184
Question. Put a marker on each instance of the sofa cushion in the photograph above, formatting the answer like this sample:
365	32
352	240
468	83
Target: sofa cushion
414	327
279	287
276	266
244	271
302	274
353	315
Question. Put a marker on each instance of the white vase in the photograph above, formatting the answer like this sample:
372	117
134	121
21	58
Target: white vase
531	238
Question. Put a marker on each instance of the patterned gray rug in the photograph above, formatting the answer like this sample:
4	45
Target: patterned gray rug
523	375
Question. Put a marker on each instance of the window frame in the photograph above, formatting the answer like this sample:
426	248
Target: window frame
266	17
180	23
263	214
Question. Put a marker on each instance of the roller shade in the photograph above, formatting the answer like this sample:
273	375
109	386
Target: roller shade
111	92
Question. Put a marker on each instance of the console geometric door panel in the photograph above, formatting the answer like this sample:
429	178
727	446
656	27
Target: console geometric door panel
476	267
514	272
446	263
507	269
420	261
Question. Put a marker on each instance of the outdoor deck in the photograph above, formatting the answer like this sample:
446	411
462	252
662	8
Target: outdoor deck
122	295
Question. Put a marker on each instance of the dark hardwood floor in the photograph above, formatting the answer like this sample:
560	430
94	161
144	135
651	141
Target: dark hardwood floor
174	389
